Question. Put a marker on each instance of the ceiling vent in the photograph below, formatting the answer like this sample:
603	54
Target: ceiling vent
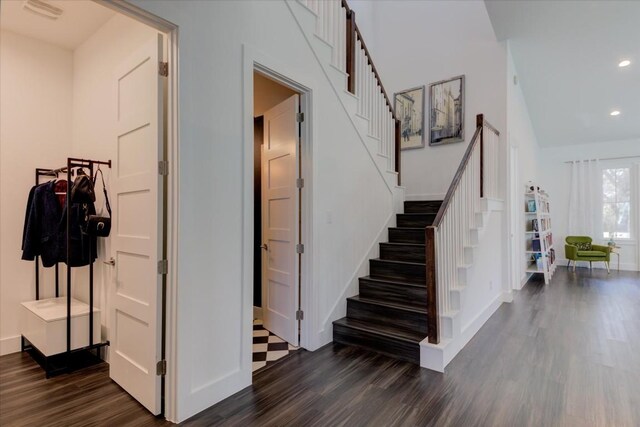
43	9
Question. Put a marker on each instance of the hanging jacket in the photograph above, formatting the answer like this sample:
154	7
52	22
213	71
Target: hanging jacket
45	229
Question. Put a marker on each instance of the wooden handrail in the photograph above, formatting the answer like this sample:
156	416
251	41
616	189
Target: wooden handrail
485	123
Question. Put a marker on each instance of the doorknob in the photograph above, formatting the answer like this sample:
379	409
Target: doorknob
264	246
110	262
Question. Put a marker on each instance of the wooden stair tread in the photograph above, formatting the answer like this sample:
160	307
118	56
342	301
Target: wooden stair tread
394	282
392	305
387	330
401	262
403	244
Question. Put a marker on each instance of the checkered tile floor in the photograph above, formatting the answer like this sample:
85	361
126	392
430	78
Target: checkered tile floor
267	347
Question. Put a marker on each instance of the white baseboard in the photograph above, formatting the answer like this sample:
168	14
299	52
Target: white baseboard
257	312
506	296
437	356
9	345
439	196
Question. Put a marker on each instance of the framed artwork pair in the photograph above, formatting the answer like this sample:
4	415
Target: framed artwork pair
445	114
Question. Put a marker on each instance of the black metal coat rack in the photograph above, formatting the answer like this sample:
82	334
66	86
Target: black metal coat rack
56	364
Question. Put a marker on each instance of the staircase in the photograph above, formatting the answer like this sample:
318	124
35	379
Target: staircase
406	299
389	316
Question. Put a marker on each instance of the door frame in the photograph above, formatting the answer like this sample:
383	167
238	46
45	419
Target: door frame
171	197
515	250
297	80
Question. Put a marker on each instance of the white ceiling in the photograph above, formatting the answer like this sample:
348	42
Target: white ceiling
567	54
80	19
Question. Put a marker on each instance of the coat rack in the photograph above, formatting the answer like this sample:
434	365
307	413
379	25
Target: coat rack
64	362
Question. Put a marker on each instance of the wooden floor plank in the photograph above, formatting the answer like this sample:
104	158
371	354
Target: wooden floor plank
566	354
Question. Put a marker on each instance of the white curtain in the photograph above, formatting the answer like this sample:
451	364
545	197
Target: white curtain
585	198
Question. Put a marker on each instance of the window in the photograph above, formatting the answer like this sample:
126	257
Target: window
616	203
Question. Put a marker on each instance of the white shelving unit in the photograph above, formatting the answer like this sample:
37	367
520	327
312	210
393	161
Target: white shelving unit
539	250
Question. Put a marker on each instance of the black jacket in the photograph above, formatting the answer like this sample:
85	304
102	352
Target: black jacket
45	229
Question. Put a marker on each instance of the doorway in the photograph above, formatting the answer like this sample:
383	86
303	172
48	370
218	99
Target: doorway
277	244
123	112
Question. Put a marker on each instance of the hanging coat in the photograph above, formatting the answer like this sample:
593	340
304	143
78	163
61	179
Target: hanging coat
45	229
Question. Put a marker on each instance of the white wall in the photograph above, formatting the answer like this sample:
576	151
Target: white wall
366	19
556	178
522	138
94	116
351	202
35	131
417	43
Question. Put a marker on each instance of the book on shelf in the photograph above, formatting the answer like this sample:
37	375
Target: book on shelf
531	205
535	245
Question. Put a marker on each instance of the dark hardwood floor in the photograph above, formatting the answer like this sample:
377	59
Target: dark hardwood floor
83	398
567	354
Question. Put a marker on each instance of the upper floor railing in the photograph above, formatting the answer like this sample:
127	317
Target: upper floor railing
336	25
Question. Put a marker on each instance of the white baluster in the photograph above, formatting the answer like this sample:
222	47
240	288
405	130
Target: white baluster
333	39
327	20
320	20
343	39
371	98
376	107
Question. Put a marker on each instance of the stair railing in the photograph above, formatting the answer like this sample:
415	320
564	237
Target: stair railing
336	25
477	177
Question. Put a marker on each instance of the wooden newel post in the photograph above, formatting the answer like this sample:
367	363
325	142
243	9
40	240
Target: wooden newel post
351	51
432	299
397	148
480	124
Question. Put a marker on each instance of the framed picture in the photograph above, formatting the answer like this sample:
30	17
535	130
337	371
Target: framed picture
446	111
410	111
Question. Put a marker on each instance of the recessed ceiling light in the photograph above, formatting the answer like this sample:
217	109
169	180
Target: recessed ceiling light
615	113
624	63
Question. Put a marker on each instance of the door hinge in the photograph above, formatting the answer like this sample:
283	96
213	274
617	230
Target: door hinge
299	315
161	367
163	69
299	117
163	266
300	248
300	182
163	167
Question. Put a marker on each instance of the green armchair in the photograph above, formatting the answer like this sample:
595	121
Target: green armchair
580	248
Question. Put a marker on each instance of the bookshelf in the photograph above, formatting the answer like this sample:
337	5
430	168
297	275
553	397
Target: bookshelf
539	250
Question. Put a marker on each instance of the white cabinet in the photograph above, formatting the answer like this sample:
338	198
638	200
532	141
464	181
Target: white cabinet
44	324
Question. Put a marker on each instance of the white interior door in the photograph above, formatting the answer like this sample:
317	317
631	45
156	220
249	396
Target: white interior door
280	210
135	310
